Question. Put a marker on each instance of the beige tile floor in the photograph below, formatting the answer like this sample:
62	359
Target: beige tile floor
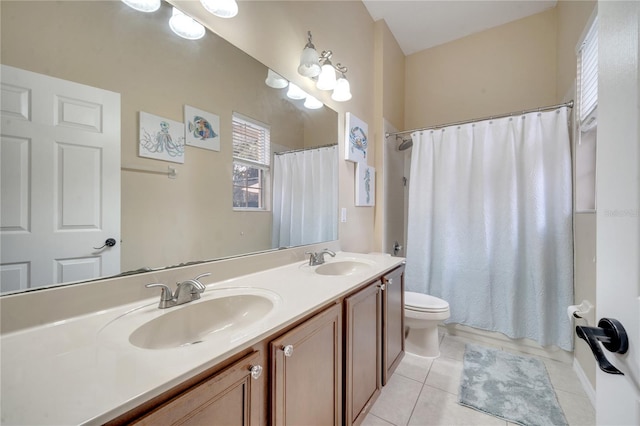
424	391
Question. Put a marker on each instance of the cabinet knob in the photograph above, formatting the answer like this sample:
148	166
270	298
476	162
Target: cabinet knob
390	281
288	350
382	286
256	371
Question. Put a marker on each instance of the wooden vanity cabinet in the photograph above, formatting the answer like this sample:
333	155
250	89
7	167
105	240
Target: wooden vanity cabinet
306	372
230	397
392	322
363	357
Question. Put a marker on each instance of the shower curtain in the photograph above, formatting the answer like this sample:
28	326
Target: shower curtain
305	197
490	224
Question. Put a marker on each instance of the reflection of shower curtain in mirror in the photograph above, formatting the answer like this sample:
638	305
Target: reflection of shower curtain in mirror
305	197
490	224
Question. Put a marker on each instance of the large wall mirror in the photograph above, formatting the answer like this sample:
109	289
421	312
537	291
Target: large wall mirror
161	221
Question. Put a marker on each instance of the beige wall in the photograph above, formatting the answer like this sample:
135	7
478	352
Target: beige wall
389	105
503	69
275	34
573	17
164	221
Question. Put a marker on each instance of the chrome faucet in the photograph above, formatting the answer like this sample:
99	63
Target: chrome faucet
186	291
318	258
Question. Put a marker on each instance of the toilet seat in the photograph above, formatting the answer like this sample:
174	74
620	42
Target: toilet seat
420	302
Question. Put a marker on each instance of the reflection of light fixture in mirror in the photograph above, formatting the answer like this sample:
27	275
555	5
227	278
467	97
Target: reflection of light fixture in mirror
309	63
312	103
221	8
342	91
185	26
275	80
143	5
295	92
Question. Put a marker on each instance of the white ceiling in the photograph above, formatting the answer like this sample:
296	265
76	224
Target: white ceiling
420	24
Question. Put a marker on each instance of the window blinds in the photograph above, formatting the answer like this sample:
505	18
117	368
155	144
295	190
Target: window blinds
588	73
251	140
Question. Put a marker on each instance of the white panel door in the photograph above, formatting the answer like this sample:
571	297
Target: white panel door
60	181
618	209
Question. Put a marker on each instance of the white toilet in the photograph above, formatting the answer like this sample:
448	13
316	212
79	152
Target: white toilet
422	313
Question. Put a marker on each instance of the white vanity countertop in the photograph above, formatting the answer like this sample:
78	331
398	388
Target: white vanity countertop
84	371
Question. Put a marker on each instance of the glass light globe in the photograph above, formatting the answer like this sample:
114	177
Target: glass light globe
143	5
295	92
312	103
342	91
327	77
275	80
309	63
221	8
185	26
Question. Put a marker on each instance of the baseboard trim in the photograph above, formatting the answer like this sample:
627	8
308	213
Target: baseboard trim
584	380
498	339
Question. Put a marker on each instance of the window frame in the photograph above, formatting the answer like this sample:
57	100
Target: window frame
261	162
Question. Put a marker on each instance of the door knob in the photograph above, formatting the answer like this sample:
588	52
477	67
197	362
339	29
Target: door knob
110	242
613	337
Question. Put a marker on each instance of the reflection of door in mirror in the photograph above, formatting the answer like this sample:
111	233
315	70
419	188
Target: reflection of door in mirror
60	194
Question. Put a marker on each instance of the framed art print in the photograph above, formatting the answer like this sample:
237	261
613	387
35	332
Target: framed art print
202	128
161	138
365	185
356	139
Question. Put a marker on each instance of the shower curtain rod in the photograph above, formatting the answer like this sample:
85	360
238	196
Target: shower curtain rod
305	149
493	117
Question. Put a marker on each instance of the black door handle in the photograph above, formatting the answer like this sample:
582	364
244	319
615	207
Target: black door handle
110	242
613	337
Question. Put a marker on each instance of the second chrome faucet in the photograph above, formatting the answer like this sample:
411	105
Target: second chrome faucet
318	257
186	291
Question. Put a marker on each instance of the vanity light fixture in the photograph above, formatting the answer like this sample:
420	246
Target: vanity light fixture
221	8
143	5
321	69
185	26
275	80
312	103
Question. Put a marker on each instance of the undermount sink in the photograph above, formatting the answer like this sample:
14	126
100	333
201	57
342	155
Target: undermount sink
342	267
194	323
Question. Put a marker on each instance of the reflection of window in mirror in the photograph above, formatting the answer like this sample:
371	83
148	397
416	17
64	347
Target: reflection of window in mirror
586	120
251	161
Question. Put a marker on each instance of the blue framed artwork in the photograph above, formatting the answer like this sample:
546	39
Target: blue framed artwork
356	139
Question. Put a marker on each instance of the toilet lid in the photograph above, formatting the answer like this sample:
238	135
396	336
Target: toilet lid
424	302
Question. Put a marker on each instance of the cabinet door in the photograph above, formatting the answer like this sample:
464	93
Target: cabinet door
306	372
231	397
363	352
392	322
